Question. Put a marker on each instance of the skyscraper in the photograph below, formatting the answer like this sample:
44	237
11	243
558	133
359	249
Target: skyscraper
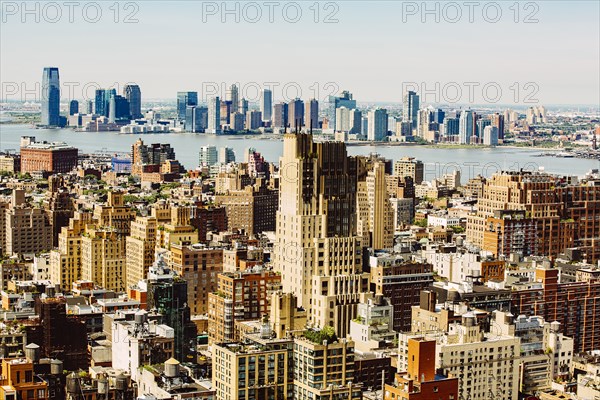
378	121
233	96
410	110
50	97
134	96
296	113
280	115
214	115
317	249
196	119
118	108
243	107
465	129
497	120
335	102
73	107
266	104
102	102
185	99
253	120
451	126
312	114
90	107
490	136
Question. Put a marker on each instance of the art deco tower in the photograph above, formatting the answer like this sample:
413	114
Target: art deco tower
317	249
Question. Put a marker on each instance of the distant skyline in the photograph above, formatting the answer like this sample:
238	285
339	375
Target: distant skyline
371	52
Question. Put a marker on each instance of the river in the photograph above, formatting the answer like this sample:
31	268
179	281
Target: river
471	161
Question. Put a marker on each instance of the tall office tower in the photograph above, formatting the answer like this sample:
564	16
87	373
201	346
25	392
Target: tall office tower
355	121
214	115
133	95
280	115
424	118
317	249
376	216
296	114
90	107
364	126
102	101
253	119
73	107
490	136
378	121
139	249
118	108
266	104
225	110
410	108
238	120
342	117
335	102
439	115
185	99
312	114
196	119
50	97
243	106
451	126
497	120
234	97
465	128
480	126
408	166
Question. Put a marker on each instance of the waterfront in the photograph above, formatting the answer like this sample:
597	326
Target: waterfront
471	161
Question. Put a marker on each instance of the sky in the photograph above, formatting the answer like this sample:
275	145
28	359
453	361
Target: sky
503	52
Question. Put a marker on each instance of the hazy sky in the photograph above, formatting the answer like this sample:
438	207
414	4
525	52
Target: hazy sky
375	49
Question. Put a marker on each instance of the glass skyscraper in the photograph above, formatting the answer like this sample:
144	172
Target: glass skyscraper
344	100
102	102
266	104
185	99
50	97
410	111
133	94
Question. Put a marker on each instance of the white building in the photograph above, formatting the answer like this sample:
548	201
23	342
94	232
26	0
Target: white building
140	342
373	324
445	221
490	136
485	363
465	127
